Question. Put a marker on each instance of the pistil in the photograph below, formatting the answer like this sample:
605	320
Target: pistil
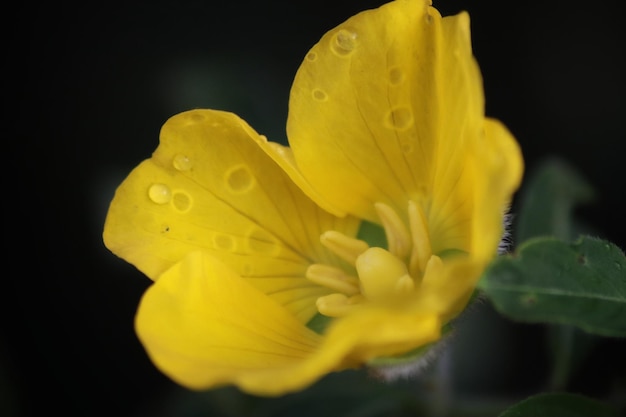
383	276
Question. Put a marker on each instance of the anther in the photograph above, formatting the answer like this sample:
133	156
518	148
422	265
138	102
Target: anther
345	247
405	284
333	278
398	237
421	240
433	270
337	305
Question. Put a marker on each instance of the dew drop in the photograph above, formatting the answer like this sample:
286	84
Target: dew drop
344	42
197	117
239	179
311	57
159	193
396	76
618	265
320	95
406	147
247	270
181	201
224	242
262	242
181	163
399	118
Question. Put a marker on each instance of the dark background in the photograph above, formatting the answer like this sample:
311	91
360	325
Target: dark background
88	87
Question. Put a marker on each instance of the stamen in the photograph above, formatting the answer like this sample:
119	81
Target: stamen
405	284
380	273
333	278
337	305
433	270
398	237
345	247
421	240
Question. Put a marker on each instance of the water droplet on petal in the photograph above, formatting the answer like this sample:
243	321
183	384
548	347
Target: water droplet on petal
262	242
159	193
399	118
197	117
320	95
406	147
344	42
224	242
239	179
181	201
247	270
181	163
311	56
396	76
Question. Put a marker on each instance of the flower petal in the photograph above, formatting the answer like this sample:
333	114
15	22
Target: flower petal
204	326
384	106
375	332
350	343
498	158
493	171
210	185
467	213
447	293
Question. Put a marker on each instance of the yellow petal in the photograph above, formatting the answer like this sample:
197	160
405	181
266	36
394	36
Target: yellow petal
467	213
447	292
499	158
492	171
205	326
350	343
376	332
384	106
211	185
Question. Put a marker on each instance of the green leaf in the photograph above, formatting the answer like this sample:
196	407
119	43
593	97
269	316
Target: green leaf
561	405
547	280
548	200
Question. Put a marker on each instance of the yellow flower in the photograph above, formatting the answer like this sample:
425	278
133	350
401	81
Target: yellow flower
251	244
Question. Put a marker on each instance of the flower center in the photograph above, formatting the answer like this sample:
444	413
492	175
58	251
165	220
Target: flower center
383	275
